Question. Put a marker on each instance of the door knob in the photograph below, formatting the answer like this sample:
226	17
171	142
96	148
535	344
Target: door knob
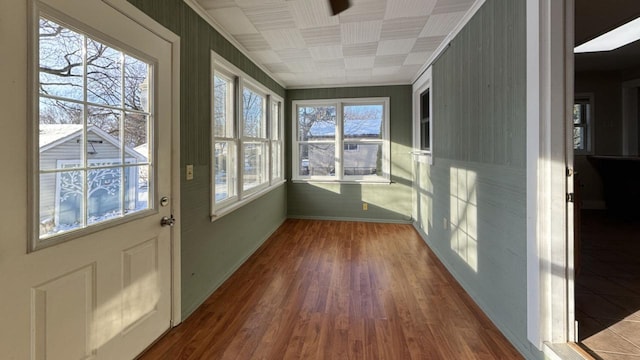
168	221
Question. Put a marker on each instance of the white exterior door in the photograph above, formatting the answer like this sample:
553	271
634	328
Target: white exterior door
85	265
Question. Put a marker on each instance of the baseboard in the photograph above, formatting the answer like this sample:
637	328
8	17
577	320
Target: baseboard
228	274
522	348
334	218
594	205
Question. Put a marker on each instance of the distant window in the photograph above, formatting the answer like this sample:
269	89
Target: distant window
341	140
582	124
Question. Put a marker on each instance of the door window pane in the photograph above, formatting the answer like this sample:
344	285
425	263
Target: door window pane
90	145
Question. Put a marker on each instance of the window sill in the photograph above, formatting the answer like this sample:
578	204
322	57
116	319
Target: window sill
249	198
329	181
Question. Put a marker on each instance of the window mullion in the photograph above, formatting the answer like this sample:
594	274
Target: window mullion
83	148
239	131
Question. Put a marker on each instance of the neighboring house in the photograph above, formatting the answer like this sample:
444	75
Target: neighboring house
360	158
60	148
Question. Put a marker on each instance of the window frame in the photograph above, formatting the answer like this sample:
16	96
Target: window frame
587	125
243	196
422	85
340	141
36	242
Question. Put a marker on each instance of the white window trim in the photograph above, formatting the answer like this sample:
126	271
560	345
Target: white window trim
589	125
339	142
243	197
421	85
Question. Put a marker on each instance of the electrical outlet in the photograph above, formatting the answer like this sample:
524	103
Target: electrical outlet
365	206
189	172
445	223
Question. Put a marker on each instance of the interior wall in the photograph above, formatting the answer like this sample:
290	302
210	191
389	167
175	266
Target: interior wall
473	197
211	251
386	202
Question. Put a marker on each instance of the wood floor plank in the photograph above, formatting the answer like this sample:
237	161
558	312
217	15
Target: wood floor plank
338	290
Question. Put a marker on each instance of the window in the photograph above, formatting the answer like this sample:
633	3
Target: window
341	140
247	138
94	124
582	124
423	118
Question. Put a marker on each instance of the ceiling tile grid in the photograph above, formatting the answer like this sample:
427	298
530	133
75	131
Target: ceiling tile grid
372	42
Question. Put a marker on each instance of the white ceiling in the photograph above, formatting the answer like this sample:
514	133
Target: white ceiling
300	44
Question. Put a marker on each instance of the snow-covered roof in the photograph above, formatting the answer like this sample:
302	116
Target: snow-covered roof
50	133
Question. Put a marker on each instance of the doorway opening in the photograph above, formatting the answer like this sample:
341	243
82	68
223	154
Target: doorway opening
607	161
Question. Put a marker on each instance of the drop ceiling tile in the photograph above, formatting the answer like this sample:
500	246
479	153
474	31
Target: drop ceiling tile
402	28
256	3
448	6
302	67
284	39
321	36
370	10
233	20
287	77
271	17
389	60
333	73
288	55
360	73
395	47
408	8
417	58
365	49
360	32
387	70
427	43
266	56
334	64
441	24
359	62
253	42
217	4
312	13
409	71
277	67
326	52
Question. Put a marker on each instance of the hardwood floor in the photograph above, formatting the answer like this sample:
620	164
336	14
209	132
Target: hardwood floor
338	290
608	287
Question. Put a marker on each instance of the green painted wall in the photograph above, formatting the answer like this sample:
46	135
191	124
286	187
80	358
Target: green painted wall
387	202
473	198
210	251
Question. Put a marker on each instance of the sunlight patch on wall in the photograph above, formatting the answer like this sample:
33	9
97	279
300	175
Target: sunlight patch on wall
464	215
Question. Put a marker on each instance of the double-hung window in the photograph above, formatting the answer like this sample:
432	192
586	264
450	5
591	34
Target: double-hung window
423	118
582	124
341	140
246	138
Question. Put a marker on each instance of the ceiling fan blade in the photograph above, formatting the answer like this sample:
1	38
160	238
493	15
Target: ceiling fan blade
338	6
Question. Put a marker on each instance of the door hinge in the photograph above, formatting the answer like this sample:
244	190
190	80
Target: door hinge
570	197
569	172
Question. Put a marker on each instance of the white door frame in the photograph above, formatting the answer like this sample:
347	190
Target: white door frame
550	306
143	19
